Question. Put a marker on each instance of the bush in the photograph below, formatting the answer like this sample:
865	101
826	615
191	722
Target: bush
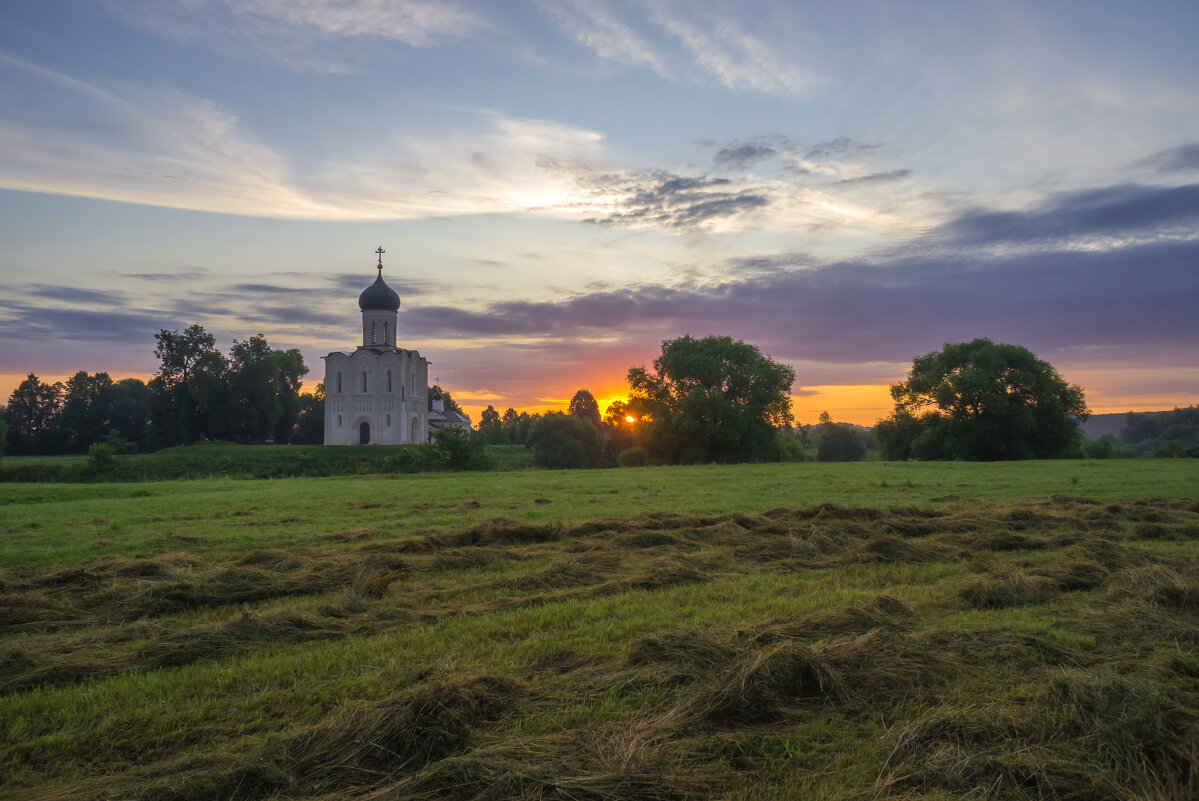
633	457
100	457
459	449
560	441
839	443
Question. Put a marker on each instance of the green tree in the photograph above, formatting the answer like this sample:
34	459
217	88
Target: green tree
32	412
561	441
189	389
840	443
983	402
711	400
253	389
584	405
491	427
310	420
489	418
291	375
617	413
86	409
447	403
130	406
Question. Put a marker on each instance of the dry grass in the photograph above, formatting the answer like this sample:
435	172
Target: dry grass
1037	651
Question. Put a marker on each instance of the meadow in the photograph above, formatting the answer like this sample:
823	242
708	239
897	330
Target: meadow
869	630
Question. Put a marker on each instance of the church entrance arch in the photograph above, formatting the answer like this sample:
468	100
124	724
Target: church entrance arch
364	433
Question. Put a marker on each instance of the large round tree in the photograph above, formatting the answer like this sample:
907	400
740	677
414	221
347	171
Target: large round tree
983	402
711	400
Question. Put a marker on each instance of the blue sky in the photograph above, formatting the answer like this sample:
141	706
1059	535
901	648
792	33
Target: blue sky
562	185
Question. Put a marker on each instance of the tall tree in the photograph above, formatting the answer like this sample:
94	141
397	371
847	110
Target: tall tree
291	374
254	385
131	404
447	403
189	387
711	400
489	418
310	421
86	412
584	405
982	401
32	411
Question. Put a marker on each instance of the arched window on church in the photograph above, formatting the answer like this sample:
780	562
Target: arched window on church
339	386
364	380
389	421
372	332
386	341
388	377
339	421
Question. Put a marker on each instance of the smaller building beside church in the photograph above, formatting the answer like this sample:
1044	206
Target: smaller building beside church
379	392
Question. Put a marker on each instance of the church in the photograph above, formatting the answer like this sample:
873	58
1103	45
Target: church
379	393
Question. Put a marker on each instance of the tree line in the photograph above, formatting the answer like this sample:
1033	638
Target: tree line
713	399
250	395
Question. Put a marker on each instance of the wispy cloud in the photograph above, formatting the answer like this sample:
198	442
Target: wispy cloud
297	33
154	146
170	149
597	27
716	46
737	58
879	177
166	148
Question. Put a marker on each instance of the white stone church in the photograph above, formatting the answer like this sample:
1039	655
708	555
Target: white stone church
379	393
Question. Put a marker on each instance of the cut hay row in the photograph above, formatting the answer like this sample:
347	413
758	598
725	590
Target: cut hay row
1042	650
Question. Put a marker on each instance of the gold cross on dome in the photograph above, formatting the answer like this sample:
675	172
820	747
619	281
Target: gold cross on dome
380	251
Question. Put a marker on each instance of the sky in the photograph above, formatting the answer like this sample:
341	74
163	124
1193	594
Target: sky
562	185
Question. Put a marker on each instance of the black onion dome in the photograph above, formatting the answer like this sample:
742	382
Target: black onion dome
379	297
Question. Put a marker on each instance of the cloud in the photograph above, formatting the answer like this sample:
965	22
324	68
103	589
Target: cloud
154	146
191	274
166	148
301	34
660	199
879	177
1184	158
742	155
596	27
910	300
405	286
716	46
476	395
39	325
1126	211
75	294
738	59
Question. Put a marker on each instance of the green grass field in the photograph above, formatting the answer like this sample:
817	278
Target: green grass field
872	630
